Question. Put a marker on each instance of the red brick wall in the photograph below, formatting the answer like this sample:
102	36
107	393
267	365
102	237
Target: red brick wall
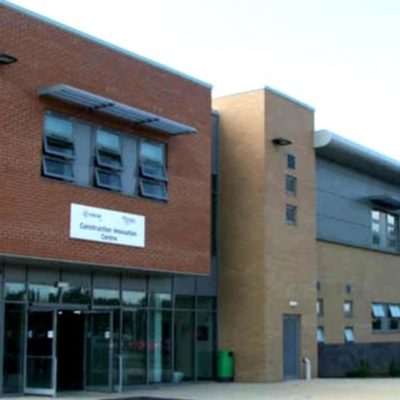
34	211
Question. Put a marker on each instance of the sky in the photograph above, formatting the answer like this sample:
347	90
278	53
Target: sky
342	57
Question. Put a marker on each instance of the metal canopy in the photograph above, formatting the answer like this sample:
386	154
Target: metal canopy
110	107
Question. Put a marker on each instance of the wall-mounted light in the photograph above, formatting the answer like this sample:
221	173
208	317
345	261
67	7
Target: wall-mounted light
7	58
281	141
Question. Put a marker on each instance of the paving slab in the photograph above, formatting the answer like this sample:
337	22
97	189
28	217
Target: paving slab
318	389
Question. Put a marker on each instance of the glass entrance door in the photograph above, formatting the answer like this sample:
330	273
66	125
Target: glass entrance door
98	351
41	362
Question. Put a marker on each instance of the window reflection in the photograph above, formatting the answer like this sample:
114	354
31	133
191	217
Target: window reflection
14	291
160	300
106	297
42	293
160	346
134	347
134	299
14	335
75	295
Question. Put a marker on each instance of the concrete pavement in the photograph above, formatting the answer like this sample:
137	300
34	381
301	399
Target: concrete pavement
318	389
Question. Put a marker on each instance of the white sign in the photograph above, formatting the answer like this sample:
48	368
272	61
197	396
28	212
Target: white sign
106	226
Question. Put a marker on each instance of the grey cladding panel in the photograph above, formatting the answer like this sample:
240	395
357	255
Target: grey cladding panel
184	285
83	154
208	285
343	208
129	162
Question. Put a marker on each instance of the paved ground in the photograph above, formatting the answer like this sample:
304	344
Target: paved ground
319	389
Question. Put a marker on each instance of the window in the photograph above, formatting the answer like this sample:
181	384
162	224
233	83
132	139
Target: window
384	228
152	183
58	148
291	214
108	160
320	334
348	288
153	189
378	316
108	179
88	155
348	308
291	161
291	185
154	170
319	307
349	334
56	168
394	315
385	317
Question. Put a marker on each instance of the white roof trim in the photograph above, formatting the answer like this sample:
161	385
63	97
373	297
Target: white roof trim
104	105
101	42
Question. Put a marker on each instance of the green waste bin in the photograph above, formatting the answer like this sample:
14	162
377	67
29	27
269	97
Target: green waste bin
225	366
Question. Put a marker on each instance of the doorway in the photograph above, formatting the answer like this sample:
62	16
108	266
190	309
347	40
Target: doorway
70	350
291	347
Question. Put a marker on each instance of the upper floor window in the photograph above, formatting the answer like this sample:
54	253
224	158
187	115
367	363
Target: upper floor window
108	160
385	317
291	185
89	155
291	161
384	229
348	308
349	334
152	170
320	334
58	148
291	214
319	307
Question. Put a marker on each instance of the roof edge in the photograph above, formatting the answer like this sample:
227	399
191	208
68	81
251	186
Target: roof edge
87	36
289	98
330	144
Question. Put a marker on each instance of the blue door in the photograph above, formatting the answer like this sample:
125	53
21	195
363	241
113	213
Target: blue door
291	347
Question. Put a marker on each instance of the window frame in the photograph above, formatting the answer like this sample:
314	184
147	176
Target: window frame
291	162
49	151
320	334
109	172
47	173
383	234
349	336
162	145
348	313
102	164
291	208
143	181
145	174
53	133
107	149
291	180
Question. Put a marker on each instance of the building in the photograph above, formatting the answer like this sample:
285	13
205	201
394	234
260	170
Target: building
309	245
358	202
106	274
130	208
267	265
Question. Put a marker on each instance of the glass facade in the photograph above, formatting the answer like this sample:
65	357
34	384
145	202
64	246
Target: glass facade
134	330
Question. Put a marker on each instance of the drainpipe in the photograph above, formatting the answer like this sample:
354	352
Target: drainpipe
307	368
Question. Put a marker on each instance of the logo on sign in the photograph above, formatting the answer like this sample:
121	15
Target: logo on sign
89	214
